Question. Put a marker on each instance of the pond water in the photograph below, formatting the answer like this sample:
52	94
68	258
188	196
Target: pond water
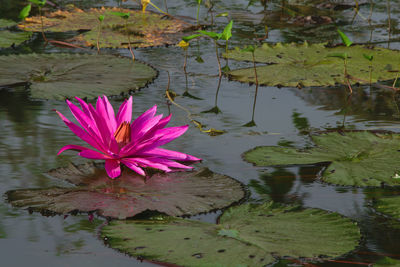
31	133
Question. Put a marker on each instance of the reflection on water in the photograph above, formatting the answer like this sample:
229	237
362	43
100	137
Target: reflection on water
31	133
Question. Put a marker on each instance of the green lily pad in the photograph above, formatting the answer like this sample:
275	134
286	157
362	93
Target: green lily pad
355	158
389	206
60	76
8	38
246	235
313	65
6	23
386	261
175	194
149	29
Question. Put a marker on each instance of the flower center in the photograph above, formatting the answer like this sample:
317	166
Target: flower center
123	134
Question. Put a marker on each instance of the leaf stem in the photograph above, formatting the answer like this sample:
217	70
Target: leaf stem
41	22
129	40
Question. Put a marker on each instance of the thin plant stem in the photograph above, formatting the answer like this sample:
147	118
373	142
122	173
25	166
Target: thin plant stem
255	95
41	22
346	78
389	22
166	6
198	13
129	40
98	38
219	62
184	68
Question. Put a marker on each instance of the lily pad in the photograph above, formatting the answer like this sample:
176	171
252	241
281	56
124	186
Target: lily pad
149	29
355	158
315	65
8	38
247	235
6	23
60	76
389	206
175	194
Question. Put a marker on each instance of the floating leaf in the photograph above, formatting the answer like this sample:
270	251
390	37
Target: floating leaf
368	57
175	194
150	29
8	38
5	23
389	206
60	76
246	236
355	158
386	261
308	65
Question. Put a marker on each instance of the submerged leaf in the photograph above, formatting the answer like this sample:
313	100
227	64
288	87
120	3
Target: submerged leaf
309	65
247	235
354	158
60	76
175	194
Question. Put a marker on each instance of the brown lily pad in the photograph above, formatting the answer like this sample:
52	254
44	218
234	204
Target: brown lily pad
175	194
144	29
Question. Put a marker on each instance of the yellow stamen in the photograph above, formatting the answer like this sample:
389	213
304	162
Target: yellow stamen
123	134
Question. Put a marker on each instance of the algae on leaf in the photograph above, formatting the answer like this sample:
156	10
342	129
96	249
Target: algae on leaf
175	194
149	29
355	158
312	65
247	235
60	76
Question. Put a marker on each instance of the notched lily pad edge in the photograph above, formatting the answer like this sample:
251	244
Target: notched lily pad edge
122	94
145	213
325	164
372	205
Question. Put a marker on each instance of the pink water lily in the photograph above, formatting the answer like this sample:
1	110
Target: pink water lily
116	140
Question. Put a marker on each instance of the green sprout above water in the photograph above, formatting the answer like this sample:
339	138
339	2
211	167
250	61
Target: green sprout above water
251	49
100	18
25	12
198	10
125	17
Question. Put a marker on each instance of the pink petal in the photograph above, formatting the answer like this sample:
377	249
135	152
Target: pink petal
133	166
137	124
72	147
125	112
113	168
110	113
142	162
79	132
87	123
101	111
169	154
91	154
171	163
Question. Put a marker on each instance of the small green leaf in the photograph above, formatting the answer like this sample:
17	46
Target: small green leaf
121	14
223	14
101	18
339	55
227	33
249	48
25	12
212	35
190	37
344	38
369	57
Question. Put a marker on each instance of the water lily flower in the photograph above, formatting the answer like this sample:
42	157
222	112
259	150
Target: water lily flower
117	140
